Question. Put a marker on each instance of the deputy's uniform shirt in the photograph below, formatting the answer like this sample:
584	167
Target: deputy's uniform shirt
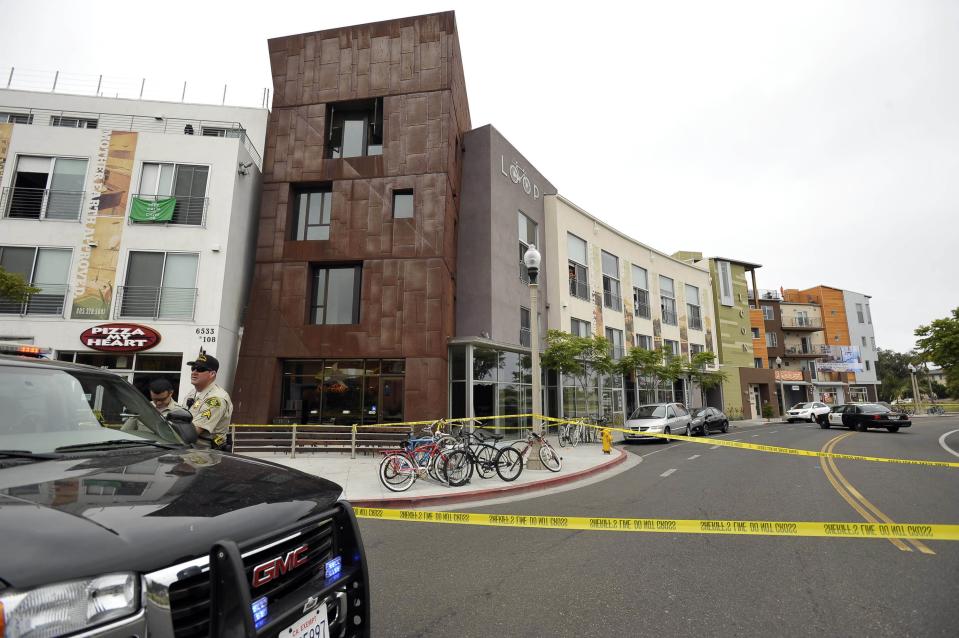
211	410
172	405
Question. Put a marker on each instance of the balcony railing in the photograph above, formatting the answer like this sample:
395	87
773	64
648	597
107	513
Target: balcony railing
613	301
616	352
189	211
803	323
49	301
807	351
669	312
41	203
147	302
772	295
579	288
641	303
695	317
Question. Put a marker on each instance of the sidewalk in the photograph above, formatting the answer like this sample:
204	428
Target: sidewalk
362	487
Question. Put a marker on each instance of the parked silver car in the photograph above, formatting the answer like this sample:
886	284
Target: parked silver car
661	418
810	411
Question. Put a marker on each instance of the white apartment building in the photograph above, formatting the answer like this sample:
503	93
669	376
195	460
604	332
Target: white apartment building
861	335
634	295
136	220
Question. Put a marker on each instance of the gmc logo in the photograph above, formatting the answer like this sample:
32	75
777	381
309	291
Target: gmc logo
271	569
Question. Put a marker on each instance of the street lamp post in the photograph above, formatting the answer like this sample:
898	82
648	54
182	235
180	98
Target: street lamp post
782	387
915	387
532	258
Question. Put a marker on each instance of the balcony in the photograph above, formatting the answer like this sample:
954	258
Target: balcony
189	211
41	204
768	295
611	300
802	324
579	289
147	302
806	352
48	302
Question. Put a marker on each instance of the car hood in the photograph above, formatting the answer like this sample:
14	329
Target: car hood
800	409
646	423
141	510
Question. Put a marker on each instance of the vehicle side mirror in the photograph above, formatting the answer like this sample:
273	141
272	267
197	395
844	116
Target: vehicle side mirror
182	423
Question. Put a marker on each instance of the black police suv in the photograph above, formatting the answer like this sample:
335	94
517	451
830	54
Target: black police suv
112	524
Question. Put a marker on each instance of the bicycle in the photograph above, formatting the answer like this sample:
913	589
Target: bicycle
511	459
935	409
433	456
570	433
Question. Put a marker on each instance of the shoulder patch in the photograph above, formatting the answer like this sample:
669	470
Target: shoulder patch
213	402
206	414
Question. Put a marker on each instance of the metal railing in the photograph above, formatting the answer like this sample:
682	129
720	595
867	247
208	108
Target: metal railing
579	288
809	351
694	314
41	203
612	300
49	301
147	302
138	123
772	295
668	308
641	303
802	322
189	211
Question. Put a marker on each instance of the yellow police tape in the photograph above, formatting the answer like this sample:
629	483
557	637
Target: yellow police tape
937	532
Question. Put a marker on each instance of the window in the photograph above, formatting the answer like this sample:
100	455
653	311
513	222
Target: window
612	296
768	313
336	296
865	344
579	327
16	118
868	314
312	211
643	341
159	285
524	327
46	188
403	204
757	363
356	128
696	348
343	392
771	340
185	182
527	237
578	271
640	292
671	347
867	365
44	268
859	313
667	300
693	309
755	333
73	122
873	342
725	283
615	338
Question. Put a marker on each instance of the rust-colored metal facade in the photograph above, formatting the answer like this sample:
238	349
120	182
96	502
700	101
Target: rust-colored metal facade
409	264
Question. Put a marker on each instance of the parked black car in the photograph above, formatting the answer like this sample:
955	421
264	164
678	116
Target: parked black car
115	525
862	416
706	420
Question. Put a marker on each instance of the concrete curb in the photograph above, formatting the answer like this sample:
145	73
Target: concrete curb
404	502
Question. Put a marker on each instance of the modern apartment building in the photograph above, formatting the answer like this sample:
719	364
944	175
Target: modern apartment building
634	295
352	301
864	384
135	220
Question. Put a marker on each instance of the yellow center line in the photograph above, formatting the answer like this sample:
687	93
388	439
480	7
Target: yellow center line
855	498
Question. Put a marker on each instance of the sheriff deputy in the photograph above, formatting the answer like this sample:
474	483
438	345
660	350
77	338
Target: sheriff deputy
210	404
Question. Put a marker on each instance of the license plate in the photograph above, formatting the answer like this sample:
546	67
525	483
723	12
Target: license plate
312	625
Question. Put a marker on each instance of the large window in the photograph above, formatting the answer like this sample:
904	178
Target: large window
868	314
343	392
16	118
643	341
693	308
640	292
159	286
860	314
73	122
403	204
612	296
671	347
524	327
44	268
528	235
579	327
768	313
46	188
312	210
578	269
336	295
771	340
185	182
355	129
667	300
696	348
725	283
615	338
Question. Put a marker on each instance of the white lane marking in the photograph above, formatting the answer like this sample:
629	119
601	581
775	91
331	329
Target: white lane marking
668	472
755	435
694	456
774	431
942	442
715	447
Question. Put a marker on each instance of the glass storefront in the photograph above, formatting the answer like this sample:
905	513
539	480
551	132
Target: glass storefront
343	391
140	369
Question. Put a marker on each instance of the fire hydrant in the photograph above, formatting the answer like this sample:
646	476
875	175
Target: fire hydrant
607	440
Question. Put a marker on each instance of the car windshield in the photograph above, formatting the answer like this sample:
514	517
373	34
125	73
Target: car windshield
837	408
700	412
44	409
873	408
649	412
803	406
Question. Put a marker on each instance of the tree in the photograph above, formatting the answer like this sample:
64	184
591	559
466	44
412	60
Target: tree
939	342
579	357
652	366
892	370
697	372
13	287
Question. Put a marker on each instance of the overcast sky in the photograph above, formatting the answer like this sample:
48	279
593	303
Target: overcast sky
820	139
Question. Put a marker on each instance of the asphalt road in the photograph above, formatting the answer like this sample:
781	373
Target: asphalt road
442	580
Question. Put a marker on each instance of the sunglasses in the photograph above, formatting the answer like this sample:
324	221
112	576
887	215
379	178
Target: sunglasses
199	369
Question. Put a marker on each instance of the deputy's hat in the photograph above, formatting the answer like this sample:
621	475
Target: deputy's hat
205	360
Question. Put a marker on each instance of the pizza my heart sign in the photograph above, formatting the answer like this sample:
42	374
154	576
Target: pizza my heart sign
120	337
